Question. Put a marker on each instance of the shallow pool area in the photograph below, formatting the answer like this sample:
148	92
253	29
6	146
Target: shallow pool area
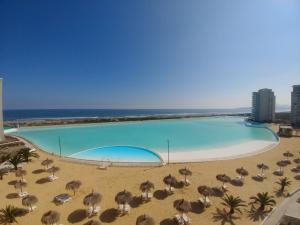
118	154
184	136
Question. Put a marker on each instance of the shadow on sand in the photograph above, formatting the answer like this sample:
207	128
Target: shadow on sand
77	216
109	215
223	217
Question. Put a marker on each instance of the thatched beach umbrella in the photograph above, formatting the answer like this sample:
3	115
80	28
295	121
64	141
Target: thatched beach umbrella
282	164
146	187
297	160
51	217
20	185
53	170
170	181
93	222
73	185
242	172
29	200
21	173
288	154
262	167
223	178
185	172
182	206
92	199
145	220
46	163
123	197
205	190
296	169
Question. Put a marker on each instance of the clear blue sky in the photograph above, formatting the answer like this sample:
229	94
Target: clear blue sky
147	53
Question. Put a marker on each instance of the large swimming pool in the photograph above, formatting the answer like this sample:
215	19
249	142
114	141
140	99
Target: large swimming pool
183	135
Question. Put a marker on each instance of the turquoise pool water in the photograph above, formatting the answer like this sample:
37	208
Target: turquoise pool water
118	153
183	135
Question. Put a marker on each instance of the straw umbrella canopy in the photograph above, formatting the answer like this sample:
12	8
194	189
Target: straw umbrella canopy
51	217
92	199
93	222
182	206
185	172
123	197
242	172
223	178
145	220
21	173
29	200
281	164
20	185
288	154
205	190
262	167
73	185
47	162
296	169
146	187
297	160
170	181
53	170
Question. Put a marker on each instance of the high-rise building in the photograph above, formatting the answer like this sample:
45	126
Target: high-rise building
295	106
263	105
1	114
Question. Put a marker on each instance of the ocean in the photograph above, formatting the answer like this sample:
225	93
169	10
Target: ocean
28	114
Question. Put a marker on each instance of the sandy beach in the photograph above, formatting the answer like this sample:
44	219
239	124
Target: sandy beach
114	179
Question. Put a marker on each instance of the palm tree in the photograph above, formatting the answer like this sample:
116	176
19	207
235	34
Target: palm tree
26	154
283	182
263	199
8	215
15	160
233	203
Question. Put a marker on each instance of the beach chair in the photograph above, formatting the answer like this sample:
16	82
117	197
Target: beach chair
205	201
279	172
186	182
182	219
52	178
62	198
224	188
93	212
146	197
261	175
124	209
32	208
23	194
170	190
104	165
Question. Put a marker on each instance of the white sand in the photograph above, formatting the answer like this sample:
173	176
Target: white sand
228	152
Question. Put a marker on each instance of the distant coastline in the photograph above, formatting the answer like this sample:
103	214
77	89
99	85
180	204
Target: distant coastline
70	121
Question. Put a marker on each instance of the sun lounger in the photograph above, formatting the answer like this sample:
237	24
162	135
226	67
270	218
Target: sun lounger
32	208
224	188
52	178
124	209
23	194
279	172
182	219
261	175
62	198
92	212
205	201
170	190
186	182
103	165
147	197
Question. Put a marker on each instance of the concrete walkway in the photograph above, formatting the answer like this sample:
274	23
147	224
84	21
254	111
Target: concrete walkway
287	207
